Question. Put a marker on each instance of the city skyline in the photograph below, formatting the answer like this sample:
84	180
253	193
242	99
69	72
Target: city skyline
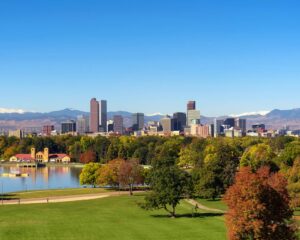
138	55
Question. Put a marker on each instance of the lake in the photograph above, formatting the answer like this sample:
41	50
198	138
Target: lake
50	177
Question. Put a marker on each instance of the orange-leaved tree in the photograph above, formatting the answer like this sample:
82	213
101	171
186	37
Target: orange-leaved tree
259	206
131	173
108	174
88	156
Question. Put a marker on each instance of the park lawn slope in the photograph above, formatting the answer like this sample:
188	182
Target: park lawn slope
112	218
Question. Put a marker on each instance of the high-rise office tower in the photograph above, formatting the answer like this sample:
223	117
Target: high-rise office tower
218	127
229	122
138	121
118	124
47	129
94	115
191	105
241	124
167	124
103	115
193	117
68	127
179	119
82	124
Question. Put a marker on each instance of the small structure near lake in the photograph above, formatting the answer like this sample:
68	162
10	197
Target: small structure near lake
41	157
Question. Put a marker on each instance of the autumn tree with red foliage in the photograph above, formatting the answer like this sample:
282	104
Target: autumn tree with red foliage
259	207
88	156
130	173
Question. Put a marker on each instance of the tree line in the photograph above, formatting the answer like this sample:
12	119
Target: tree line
259	178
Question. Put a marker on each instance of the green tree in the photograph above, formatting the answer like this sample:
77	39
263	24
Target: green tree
86	143
289	154
188	157
89	174
169	185
75	151
257	156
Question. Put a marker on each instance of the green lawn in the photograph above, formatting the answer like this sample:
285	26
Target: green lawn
217	204
54	193
116	218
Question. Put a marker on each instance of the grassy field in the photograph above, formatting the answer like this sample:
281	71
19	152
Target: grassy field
53	193
111	218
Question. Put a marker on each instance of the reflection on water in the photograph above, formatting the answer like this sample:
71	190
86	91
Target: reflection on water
40	178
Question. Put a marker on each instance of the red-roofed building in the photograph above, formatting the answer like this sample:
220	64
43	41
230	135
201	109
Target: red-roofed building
42	157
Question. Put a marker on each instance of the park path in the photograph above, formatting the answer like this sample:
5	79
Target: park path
202	207
59	199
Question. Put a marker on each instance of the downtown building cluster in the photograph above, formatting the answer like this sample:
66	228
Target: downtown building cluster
187	123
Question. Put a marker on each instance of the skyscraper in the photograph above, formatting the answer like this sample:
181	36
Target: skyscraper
138	121
179	121
103	115
191	105
241	124
193	116
229	122
218	127
68	127
118	124
167	124
94	115
82	124
47	129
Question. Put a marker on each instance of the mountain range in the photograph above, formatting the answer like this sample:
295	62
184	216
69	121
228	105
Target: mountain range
13	120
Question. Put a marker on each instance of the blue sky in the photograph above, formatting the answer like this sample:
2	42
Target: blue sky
150	56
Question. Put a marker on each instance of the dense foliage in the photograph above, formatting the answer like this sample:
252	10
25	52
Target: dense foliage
259	206
212	163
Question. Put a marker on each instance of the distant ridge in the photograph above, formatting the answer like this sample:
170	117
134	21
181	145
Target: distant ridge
20	119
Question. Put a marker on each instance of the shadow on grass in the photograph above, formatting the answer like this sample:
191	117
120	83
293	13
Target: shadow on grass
190	215
8	197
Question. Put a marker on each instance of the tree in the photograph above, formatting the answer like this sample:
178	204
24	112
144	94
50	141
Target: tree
293	176
10	151
75	151
101	145
257	156
113	149
89	174
86	143
208	183
216	173
259	206
88	156
188	157
289	154
169	185
109	173
130	173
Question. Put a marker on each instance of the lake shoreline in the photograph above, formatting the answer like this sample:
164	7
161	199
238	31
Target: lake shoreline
14	164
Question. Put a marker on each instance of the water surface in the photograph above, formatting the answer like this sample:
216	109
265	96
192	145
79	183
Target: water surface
51	177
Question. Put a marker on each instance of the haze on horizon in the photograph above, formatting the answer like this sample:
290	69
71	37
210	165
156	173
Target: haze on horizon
231	57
